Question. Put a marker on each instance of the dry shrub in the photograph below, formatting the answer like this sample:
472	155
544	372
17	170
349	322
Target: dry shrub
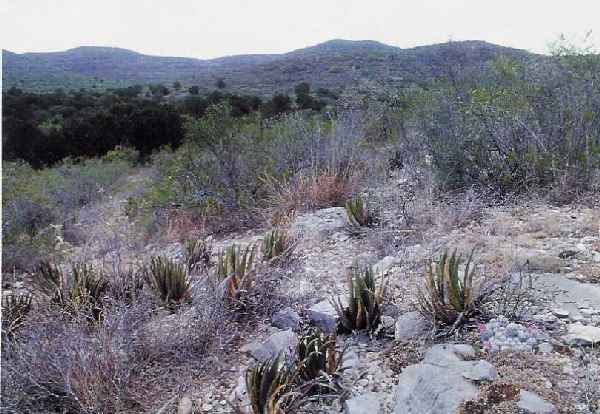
182	224
305	192
61	365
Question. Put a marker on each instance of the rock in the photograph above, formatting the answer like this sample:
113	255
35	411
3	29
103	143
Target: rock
239	396
320	224
410	326
284	341
388	322
567	254
545	348
578	334
385	264
323	315
367	403
350	364
286	319
532	403
185	406
443	381
560	312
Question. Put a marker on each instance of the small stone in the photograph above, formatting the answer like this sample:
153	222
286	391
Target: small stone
284	341
324	316
560	312
384	265
207	407
545	347
185	405
578	334
534	404
286	319
367	403
363	382
567	254
410	326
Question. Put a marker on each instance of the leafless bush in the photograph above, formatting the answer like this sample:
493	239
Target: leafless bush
61	365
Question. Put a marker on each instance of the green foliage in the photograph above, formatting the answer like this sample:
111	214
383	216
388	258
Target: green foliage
364	302
276	243
197	255
169	281
266	384
80	291
445	296
36	202
122	154
14	312
235	270
316	355
357	212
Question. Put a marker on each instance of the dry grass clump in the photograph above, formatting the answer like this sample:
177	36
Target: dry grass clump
197	255
60	365
364	302
305	192
15	309
445	297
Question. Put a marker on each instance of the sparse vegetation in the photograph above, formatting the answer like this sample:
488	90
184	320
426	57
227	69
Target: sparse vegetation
78	292
363	311
197	255
235	270
277	243
358	212
169	281
445	297
15	309
317	355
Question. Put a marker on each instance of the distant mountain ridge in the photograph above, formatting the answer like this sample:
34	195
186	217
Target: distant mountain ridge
333	64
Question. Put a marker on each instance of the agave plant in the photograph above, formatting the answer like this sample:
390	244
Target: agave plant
364	301
51	281
81	290
88	289
197	255
316	355
357	212
235	269
266	384
444	296
276	243
14	311
169	281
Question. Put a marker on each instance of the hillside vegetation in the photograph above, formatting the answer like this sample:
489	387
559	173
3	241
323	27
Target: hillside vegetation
432	246
334	65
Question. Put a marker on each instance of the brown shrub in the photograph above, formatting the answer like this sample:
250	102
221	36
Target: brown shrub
305	192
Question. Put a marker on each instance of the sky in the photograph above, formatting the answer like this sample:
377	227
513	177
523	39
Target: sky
209	29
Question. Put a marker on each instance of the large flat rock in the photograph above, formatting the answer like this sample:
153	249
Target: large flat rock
442	381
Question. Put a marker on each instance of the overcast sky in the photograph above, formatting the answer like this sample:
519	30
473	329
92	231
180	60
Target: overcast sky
208	29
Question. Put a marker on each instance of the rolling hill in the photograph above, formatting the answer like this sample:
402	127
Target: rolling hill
334	64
